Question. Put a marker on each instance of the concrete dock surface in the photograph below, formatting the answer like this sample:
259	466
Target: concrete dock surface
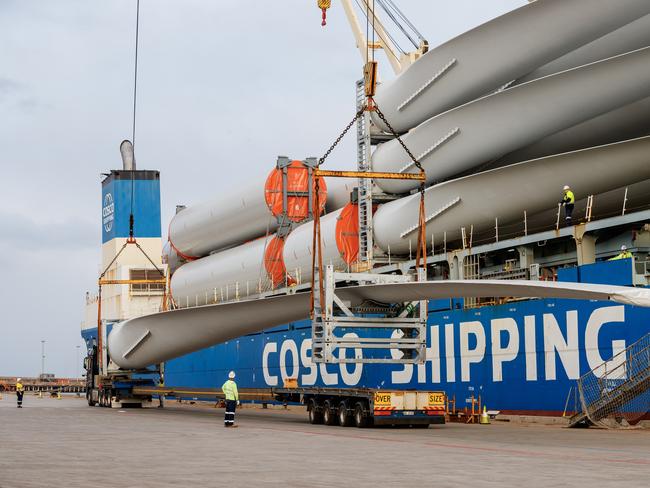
65	443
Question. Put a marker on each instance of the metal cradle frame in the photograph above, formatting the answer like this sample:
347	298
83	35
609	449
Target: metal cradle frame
336	328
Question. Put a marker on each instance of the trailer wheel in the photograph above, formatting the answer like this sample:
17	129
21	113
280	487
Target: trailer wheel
345	419
360	419
315	415
329	417
89	399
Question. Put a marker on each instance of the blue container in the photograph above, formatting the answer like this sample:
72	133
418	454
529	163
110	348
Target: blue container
617	272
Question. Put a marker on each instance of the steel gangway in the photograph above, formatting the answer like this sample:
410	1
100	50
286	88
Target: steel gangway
616	393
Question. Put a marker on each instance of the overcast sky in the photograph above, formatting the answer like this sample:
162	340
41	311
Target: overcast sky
224	87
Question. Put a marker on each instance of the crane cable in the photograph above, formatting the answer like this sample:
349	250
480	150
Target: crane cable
135	98
365	10
390	14
391	4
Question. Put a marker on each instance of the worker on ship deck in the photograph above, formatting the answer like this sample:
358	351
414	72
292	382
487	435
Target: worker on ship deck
568	201
20	391
229	389
624	254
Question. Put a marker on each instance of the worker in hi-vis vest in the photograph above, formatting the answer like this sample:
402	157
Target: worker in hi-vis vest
161	395
20	391
229	389
568	201
624	254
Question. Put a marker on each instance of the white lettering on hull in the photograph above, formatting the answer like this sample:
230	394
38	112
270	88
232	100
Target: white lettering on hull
567	350
507	345
597	319
503	354
289	346
474	355
530	338
450	357
269	348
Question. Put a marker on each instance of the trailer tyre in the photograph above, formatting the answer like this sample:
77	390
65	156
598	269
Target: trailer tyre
360	418
315	413
345	419
329	416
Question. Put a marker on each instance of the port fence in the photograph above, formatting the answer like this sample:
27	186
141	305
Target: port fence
616	394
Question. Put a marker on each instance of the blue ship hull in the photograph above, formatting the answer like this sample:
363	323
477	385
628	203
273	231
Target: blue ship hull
521	357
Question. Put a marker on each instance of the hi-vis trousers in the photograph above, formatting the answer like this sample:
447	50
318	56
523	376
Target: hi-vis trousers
229	419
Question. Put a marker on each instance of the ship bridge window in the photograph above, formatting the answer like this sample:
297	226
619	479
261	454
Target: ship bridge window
145	288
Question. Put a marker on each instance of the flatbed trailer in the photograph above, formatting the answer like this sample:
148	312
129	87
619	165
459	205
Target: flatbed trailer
361	407
330	406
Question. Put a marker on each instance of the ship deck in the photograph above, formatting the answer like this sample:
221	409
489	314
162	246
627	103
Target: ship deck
64	442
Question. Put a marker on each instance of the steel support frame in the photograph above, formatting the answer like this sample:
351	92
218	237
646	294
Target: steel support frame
335	316
284	223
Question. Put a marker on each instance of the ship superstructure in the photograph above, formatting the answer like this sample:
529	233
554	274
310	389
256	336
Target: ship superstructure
125	192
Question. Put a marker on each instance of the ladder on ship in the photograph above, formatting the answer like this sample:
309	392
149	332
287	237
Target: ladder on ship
365	184
616	393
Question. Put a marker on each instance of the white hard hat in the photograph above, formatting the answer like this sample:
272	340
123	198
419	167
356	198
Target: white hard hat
567	187
18	379
623	247
231	375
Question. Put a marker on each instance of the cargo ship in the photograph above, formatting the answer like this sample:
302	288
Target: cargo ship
570	110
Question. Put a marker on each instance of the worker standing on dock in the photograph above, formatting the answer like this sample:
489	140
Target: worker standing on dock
229	389
161	395
568	201
20	391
